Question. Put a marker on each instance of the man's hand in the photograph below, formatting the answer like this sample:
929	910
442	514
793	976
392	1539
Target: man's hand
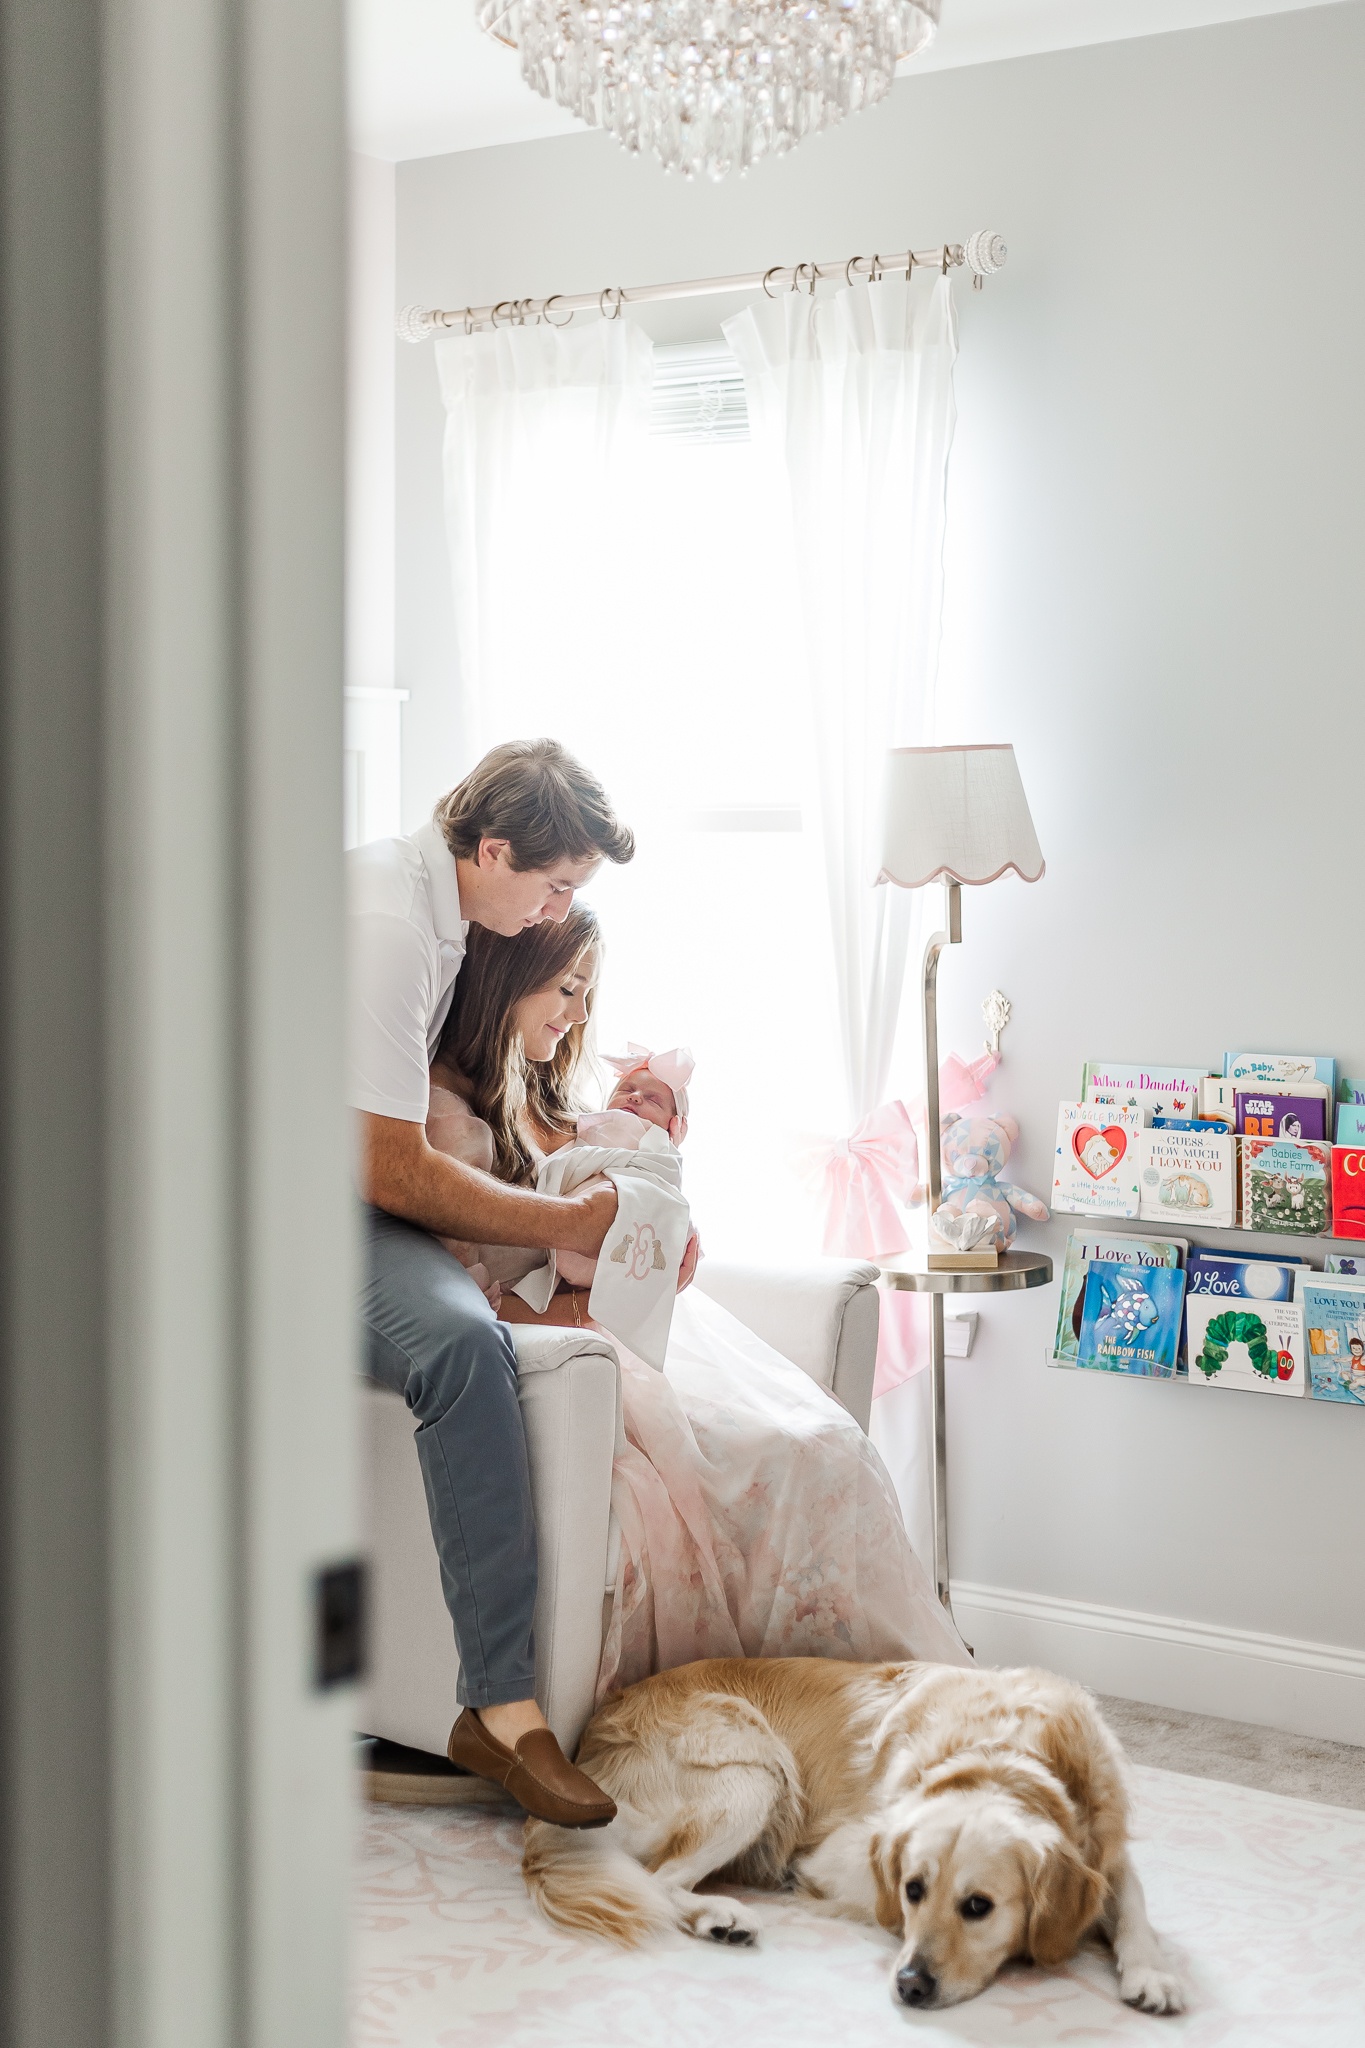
403	1175
594	1205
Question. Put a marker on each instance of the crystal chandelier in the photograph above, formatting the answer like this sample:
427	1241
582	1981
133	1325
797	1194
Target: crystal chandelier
711	84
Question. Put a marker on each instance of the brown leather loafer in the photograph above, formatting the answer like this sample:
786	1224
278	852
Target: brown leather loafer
537	1774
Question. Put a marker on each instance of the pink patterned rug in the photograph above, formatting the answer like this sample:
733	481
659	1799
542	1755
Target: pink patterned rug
1260	1899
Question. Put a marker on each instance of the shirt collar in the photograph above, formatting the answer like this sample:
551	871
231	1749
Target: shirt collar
439	863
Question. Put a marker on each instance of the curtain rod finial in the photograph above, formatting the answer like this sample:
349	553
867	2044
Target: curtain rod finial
985	252
414	323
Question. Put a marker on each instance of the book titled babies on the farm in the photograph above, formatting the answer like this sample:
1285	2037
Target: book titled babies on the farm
1187	1176
1084	1248
1095	1172
1286	1186
1334	1319
1131	1321
1256	1346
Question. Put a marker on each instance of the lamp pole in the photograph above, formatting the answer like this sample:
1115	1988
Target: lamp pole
938	1377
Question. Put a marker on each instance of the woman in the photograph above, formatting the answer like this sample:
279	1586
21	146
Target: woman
751	1516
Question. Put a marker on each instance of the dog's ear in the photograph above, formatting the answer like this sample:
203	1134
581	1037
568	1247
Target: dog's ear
1065	1900
885	1853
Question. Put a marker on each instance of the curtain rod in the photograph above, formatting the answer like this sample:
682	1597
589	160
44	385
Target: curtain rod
982	253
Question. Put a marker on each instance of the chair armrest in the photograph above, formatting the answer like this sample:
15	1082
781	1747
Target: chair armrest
569	1384
822	1316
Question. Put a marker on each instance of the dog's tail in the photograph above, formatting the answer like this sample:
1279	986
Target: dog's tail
582	1881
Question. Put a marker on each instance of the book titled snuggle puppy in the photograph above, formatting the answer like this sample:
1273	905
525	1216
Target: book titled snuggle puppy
1095	1172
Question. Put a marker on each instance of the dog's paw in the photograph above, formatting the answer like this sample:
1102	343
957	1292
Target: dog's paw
721	1920
1152	1989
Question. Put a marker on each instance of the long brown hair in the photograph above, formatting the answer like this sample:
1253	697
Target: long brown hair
480	1038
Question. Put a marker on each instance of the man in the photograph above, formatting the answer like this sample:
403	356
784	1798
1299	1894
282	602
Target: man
506	849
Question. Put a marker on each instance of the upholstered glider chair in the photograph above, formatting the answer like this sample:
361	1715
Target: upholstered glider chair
822	1317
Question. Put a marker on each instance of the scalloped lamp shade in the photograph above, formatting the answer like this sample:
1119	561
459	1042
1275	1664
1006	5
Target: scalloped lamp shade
956	812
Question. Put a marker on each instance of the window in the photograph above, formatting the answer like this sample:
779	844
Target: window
657	633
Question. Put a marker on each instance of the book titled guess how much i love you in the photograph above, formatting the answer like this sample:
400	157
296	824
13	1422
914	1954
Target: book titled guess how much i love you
1287	1186
1131	1321
1188	1176
1256	1346
1084	1249
1095	1172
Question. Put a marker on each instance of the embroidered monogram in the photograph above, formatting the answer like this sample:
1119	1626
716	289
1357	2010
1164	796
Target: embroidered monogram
660	1262
618	1257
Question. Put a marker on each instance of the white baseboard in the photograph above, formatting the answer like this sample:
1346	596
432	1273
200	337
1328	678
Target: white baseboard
1305	1688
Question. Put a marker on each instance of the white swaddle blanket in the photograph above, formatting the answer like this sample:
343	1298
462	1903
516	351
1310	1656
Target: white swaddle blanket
636	1282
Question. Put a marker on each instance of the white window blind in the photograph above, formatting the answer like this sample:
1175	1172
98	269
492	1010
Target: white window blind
698	393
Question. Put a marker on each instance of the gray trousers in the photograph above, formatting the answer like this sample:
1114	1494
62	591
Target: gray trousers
431	1336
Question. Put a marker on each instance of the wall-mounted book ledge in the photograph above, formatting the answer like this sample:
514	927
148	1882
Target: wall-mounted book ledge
1205	1197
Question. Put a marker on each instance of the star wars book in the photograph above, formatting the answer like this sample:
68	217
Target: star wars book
1265	1114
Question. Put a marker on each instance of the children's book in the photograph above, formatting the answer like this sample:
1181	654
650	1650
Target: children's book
1334	1319
1255	1069
1286	1186
1131	1319
1254	1345
1156	1091
1351	1091
1350	1128
1242	1276
1275	1115
1348	1191
1217	1098
1345	1262
1188	1176
1084	1249
1095	1172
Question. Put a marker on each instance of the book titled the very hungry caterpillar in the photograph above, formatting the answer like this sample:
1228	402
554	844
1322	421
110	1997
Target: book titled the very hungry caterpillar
1095	1172
1253	1345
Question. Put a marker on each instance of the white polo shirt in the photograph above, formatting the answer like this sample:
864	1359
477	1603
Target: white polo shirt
407	942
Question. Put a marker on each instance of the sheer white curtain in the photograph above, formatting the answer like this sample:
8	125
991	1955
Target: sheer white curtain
853	396
537	422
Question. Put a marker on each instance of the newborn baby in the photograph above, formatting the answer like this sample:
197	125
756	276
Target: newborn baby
633	1144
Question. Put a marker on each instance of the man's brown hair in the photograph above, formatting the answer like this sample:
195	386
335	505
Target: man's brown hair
533	794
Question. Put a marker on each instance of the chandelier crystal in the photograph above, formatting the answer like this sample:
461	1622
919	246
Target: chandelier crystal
711	85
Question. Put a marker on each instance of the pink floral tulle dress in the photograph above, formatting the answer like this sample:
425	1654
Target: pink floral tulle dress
751	1517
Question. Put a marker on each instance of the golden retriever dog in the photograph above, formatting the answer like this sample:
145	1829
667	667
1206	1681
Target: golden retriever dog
976	1815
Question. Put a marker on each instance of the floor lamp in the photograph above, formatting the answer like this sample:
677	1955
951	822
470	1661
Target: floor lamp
957	815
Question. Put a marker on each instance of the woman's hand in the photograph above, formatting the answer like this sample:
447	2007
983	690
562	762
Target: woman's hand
687	1271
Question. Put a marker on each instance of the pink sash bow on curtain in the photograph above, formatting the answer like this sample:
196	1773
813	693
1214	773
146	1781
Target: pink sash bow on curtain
865	1177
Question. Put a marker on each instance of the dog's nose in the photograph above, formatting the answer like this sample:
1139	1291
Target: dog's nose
915	1985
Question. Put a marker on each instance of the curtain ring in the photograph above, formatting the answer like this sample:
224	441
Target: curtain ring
874	275
851	264
766	275
545	312
619	300
507	305
945	259
910	268
796	276
523	308
468	321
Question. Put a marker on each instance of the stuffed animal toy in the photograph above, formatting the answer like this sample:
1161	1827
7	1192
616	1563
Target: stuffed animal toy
975	1148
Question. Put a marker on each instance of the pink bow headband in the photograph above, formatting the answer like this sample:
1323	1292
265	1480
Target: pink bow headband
673	1068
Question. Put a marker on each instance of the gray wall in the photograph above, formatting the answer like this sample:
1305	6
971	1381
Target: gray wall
1152	591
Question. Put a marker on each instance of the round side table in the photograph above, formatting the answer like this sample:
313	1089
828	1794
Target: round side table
1016	1271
